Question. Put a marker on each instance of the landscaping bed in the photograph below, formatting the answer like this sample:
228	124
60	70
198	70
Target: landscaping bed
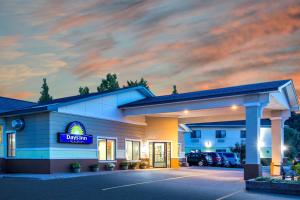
272	185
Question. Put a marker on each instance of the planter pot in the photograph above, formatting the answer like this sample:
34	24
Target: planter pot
95	169
143	167
281	188
76	170
124	167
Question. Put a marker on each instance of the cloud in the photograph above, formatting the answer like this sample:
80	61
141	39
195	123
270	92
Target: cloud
194	44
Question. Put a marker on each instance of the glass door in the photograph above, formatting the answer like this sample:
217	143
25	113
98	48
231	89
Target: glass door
160	154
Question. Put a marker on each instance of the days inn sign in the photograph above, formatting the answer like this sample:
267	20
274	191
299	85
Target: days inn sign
75	134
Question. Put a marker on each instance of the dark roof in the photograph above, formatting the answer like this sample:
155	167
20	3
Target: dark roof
228	124
39	107
207	94
79	97
8	104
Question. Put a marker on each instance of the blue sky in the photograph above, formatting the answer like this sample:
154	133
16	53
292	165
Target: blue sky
195	44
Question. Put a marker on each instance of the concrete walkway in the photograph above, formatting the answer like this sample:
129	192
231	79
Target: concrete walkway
66	175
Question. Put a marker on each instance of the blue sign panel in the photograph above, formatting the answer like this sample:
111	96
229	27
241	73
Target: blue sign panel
76	139
75	134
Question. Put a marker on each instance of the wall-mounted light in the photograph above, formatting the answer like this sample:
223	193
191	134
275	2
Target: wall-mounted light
284	148
208	144
260	144
234	107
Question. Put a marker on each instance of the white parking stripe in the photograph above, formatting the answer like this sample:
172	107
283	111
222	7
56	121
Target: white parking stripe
229	195
146	182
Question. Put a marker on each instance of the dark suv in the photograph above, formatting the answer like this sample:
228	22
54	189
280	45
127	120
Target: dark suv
199	159
216	158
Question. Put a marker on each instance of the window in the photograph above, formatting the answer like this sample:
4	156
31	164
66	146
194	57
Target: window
132	150
196	134
1	134
11	145
106	149
179	150
220	133
243	134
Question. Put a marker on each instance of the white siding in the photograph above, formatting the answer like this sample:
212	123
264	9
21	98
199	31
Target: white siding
232	137
105	107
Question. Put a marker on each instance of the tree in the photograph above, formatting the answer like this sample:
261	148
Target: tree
45	97
84	91
135	83
109	84
292	142
294	121
240	149
174	90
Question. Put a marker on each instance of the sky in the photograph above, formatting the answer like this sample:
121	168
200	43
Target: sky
195	44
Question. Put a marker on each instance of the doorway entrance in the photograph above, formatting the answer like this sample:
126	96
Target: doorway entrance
160	154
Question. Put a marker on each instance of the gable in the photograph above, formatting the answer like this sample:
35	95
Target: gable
103	107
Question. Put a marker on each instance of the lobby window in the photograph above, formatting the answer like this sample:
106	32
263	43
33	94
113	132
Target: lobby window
179	150
1	134
220	133
243	134
106	149
196	134
11	145
132	150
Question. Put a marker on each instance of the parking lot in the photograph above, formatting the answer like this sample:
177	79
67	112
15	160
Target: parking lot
186	183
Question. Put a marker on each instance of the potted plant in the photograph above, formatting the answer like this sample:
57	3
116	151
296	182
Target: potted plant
124	165
133	165
144	165
75	167
94	168
110	166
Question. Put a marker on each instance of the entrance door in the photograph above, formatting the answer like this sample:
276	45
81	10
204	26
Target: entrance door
160	154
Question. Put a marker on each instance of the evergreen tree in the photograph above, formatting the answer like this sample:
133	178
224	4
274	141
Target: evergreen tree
175	89
45	97
292	142
84	91
109	84
239	149
294	121
135	83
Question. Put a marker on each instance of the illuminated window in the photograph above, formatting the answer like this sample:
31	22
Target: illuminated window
1	134
106	149
11	145
132	150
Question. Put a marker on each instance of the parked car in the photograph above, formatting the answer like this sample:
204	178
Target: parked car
232	158
297	159
216	158
198	159
224	161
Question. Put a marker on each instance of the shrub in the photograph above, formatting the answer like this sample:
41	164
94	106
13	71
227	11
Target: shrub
133	165
124	163
296	168
110	165
94	166
75	165
143	164
275	180
261	178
